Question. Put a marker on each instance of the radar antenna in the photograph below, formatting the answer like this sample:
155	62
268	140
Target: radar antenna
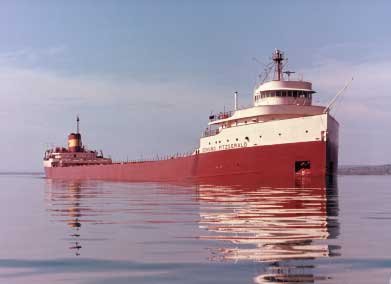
289	73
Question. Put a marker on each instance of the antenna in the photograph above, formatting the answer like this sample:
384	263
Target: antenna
259	62
77	124
333	101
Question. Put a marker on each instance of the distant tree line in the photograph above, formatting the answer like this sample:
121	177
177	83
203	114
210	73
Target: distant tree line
365	170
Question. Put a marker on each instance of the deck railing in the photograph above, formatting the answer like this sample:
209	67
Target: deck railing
159	158
221	115
226	114
210	132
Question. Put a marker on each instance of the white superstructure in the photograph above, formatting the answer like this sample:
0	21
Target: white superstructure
282	112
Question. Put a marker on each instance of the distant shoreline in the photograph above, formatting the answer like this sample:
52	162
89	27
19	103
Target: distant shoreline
363	170
21	173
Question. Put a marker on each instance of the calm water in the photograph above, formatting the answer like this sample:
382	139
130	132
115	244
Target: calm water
102	232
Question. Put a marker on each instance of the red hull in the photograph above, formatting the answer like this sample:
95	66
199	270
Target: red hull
264	161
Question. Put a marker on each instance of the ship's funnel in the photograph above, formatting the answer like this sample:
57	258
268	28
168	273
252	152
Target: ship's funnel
74	139
74	142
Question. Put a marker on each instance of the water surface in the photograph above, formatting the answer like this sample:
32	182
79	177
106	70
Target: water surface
244	232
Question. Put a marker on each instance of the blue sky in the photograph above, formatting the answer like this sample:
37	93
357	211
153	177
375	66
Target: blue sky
144	75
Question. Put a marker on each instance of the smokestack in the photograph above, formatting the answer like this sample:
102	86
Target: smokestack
236	100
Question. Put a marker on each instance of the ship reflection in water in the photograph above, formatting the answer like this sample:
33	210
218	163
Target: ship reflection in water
283	226
64	203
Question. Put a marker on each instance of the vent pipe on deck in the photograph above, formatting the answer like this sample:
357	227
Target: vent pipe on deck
236	100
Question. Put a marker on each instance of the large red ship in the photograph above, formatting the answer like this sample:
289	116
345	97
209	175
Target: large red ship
283	135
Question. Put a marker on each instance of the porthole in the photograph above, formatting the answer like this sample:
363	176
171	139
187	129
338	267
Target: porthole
306	131
215	142
219	141
247	139
279	134
260	136
227	140
237	139
209	143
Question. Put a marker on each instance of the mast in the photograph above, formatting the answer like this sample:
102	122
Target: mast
77	124
278	57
